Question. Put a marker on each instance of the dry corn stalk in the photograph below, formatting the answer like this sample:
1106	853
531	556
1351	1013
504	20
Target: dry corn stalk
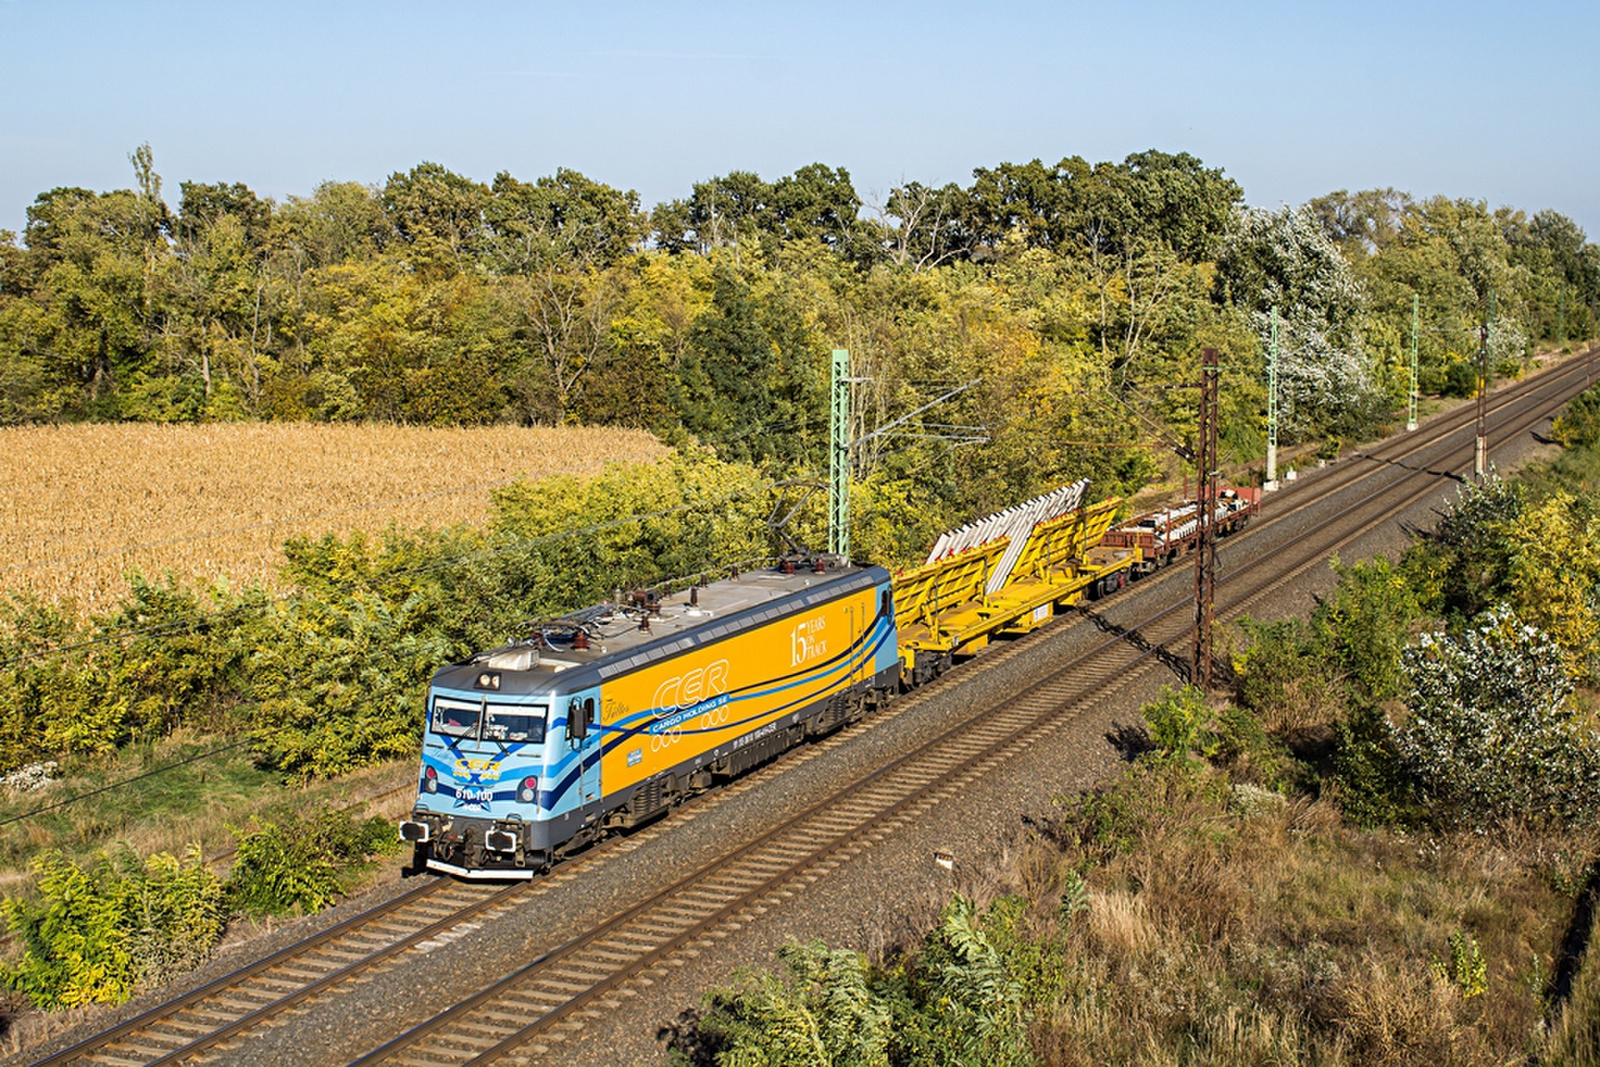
85	504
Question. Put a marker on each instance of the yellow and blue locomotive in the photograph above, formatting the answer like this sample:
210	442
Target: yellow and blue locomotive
605	718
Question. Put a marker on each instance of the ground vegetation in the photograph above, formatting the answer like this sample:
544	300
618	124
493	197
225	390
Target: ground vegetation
1375	845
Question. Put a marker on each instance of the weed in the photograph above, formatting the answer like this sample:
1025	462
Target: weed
1467	969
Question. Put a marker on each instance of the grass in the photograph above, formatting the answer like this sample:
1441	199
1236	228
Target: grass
87	503
1573	470
1267	933
1574	1035
194	803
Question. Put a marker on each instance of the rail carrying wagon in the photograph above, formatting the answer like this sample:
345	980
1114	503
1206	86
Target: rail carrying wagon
1167	534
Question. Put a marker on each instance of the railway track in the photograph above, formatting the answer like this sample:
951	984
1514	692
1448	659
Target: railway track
433	912
526	1014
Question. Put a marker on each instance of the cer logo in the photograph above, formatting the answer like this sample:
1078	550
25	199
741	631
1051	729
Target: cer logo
690	688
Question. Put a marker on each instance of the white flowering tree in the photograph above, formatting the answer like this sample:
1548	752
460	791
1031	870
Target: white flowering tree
1493	737
1285	259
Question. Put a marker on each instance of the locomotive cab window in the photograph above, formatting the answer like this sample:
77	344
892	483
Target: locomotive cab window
456	718
520	723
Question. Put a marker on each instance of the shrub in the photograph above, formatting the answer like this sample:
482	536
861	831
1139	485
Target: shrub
1365	623
823	1009
970	1002
49	702
1553	577
174	654
1180	723
964	998
1579	425
301	863
1492	736
341	682
1467	970
100	929
1472	556
1286	679
1372	785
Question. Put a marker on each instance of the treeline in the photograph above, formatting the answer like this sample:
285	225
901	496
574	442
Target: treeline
1071	290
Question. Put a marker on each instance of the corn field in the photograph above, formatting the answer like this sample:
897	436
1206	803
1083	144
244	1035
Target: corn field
85	504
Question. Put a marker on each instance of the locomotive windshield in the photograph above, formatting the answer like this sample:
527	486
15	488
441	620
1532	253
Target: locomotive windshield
456	718
514	723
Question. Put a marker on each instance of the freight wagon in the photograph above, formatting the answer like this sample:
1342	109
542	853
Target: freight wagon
1167	534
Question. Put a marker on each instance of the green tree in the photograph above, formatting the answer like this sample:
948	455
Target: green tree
340	221
719	213
437	216
92	260
727	379
817	203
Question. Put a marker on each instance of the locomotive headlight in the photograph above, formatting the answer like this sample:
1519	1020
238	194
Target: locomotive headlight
528	791
430	780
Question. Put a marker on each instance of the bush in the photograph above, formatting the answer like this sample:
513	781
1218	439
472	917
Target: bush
1373	788
1579	425
50	703
1286	678
174	655
1460	378
1470	554
1365	623
341	683
1180	723
99	930
1492	736
302	864
823	1009
965	998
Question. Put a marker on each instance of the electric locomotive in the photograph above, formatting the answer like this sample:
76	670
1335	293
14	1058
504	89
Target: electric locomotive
603	719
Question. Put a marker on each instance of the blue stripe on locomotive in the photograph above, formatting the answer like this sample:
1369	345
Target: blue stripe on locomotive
474	793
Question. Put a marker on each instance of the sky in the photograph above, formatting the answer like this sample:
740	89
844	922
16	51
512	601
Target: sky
1489	101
